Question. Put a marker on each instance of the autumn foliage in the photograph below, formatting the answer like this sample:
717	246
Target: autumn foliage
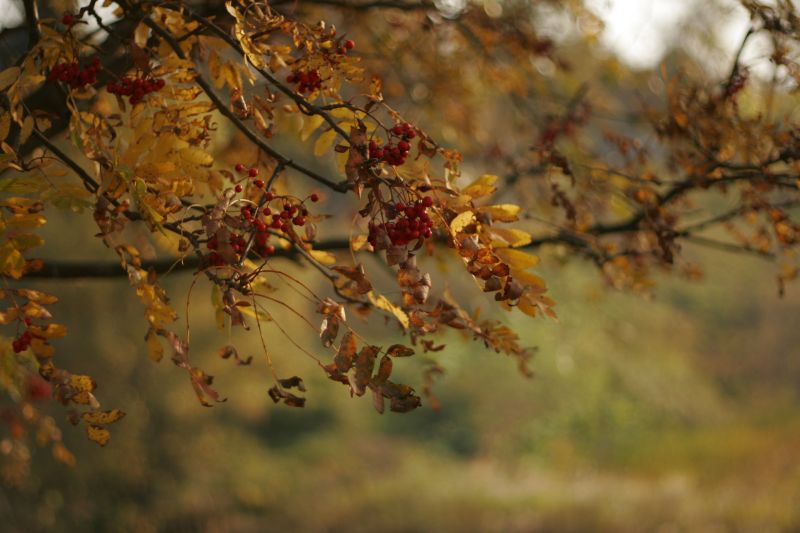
128	130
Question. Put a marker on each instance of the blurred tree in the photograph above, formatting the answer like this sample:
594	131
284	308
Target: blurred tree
195	130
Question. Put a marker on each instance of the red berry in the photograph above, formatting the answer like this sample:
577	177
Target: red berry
298	221
397	130
67	20
259	183
269	250
427	201
269	196
253	172
349	44
239	167
404	146
238	188
314	197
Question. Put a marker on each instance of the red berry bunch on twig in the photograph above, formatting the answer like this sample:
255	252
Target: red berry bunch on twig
412	222
346	46
307	81
75	75
135	88
257	221
394	153
21	343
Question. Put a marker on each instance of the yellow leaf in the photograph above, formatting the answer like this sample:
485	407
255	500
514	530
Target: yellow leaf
8	76
98	434
510	237
82	383
36	296
154	348
102	418
310	125
502	212
26	130
358	242
140	35
5	125
517	260
381	302
326	258
11	261
197	156
526	278
461	221
482	186
63	455
324	142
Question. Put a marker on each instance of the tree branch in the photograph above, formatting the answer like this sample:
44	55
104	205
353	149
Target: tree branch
241	126
55	270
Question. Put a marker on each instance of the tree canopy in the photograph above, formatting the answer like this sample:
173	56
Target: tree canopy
415	154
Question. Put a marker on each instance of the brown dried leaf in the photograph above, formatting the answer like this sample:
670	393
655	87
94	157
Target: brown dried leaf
399	350
364	367
347	352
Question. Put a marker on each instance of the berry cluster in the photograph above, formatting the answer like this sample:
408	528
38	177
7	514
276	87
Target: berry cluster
346	46
412	222
21	343
259	222
394	154
75	75
135	88
308	81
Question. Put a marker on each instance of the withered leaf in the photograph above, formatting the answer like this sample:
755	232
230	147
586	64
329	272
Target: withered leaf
228	351
364	366
399	350
395	255
347	352
292	382
384	370
377	400
277	394
357	275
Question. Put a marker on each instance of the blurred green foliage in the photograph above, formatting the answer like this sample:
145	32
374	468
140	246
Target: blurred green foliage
676	412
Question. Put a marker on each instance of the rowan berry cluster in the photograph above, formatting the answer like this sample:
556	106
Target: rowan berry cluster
259	221
135	88
394	153
411	223
346	46
75	75
21	343
307	81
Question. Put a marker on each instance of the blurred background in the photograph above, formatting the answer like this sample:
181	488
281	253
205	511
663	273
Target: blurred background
670	410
